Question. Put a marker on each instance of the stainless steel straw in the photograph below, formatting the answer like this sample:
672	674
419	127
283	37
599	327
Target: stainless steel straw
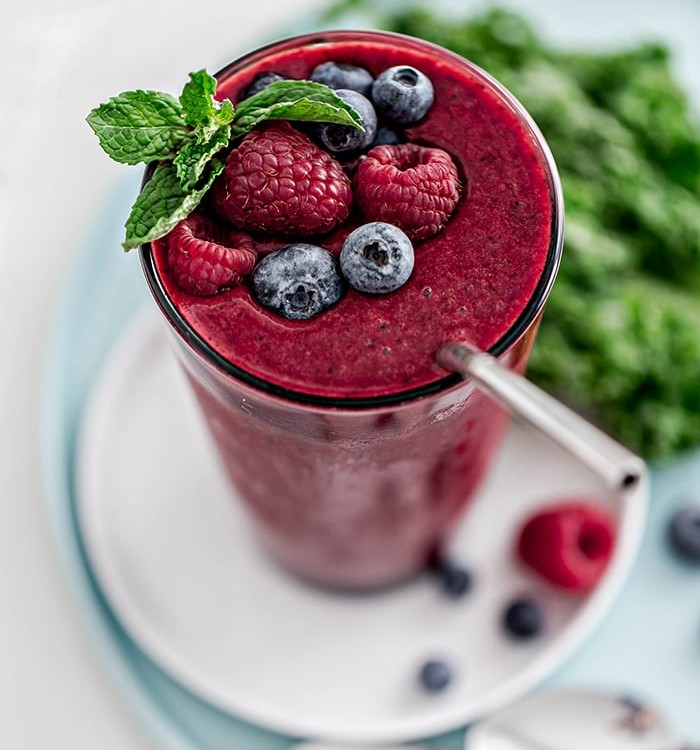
616	465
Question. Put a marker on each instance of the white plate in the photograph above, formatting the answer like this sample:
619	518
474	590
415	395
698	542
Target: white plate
175	558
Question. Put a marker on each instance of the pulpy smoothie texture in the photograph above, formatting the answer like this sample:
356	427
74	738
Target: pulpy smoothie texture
470	282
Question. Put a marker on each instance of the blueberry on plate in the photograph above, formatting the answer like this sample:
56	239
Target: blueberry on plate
455	580
403	94
377	258
435	675
261	82
684	533
341	138
523	619
340	75
297	281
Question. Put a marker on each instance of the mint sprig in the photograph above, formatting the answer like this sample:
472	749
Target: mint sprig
187	134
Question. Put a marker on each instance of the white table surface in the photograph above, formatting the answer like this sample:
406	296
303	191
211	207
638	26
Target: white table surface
57	60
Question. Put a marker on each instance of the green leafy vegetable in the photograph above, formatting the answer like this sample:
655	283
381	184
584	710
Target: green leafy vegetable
186	135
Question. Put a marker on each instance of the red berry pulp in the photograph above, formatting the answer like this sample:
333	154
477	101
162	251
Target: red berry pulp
470	282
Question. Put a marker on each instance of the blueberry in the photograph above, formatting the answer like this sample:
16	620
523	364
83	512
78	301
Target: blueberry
435	675
343	76
403	94
455	580
523	619
376	258
297	281
261	82
339	138
684	533
387	137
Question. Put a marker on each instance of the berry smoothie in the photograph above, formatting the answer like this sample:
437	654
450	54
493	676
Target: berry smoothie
353	451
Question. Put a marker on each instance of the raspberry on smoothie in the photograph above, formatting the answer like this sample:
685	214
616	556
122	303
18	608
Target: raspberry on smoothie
277	181
203	259
414	187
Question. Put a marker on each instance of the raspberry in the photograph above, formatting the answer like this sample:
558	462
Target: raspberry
568	544
279	181
203	259
413	187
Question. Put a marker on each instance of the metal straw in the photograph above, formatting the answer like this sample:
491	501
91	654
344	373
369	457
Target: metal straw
616	465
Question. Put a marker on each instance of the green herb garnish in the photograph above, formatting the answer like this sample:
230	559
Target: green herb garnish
187	136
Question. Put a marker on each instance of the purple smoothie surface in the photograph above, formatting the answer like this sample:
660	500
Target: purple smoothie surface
470	282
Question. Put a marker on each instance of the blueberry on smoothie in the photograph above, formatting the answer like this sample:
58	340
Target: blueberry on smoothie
684	533
298	281
341	138
387	136
261	82
403	94
340	75
377	258
435	675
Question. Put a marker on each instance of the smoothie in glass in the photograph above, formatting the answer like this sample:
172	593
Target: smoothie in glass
353	451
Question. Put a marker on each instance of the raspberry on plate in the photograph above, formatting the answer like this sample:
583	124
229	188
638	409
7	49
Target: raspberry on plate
279	181
204	259
569	544
413	187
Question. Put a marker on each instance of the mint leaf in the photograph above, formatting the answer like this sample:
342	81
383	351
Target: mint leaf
139	126
200	109
186	134
193	156
293	100
163	203
196	98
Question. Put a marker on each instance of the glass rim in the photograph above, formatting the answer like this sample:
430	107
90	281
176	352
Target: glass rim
518	328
